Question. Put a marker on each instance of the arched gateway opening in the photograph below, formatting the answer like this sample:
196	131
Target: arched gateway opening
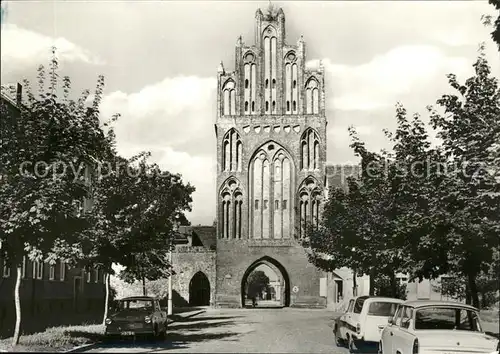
267	281
199	290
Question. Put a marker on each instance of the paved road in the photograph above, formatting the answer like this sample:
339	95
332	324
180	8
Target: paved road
242	331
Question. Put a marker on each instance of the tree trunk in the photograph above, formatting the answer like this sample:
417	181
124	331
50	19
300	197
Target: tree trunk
106	299
484	303
354	285
17	301
144	292
473	289
372	282
468	297
394	286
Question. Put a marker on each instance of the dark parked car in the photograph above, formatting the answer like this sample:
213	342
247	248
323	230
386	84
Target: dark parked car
137	315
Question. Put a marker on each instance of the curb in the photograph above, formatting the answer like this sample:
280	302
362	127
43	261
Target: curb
85	346
80	347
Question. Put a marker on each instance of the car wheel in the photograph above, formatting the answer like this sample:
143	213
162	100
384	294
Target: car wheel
352	347
379	349
163	333
339	341
155	334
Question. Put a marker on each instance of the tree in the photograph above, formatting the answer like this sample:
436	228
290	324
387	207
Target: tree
358	228
159	200
421	210
384	287
414	175
469	196
257	282
456	286
44	149
134	210
488	20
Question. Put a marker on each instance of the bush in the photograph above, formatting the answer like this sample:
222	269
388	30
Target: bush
455	288
382	287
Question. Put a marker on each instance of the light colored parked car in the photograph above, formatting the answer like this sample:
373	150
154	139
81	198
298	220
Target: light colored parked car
431	327
137	315
364	320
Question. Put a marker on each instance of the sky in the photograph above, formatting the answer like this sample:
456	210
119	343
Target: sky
160	59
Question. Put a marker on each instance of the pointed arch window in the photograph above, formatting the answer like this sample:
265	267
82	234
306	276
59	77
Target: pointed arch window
310	203
229	98
270	65
231	204
232	150
271	175
250	75
312	96
309	155
291	77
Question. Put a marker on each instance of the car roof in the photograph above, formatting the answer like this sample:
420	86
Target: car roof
433	303
145	298
379	298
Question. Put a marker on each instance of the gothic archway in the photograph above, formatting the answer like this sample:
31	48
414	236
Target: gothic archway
199	290
283	294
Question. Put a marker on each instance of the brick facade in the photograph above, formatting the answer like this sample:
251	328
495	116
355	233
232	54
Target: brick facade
189	261
271	153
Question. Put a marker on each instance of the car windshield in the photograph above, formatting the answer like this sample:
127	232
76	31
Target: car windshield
451	318
379	308
136	304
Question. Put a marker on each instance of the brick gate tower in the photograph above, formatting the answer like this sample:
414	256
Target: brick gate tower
271	154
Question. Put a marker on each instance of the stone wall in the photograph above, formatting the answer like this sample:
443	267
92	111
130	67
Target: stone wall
187	262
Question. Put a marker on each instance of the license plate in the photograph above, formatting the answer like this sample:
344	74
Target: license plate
127	333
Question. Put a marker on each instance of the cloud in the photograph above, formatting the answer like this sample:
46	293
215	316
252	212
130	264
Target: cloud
389	77
173	119
179	111
25	46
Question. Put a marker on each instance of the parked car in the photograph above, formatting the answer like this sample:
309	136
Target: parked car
431	327
137	315
363	321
